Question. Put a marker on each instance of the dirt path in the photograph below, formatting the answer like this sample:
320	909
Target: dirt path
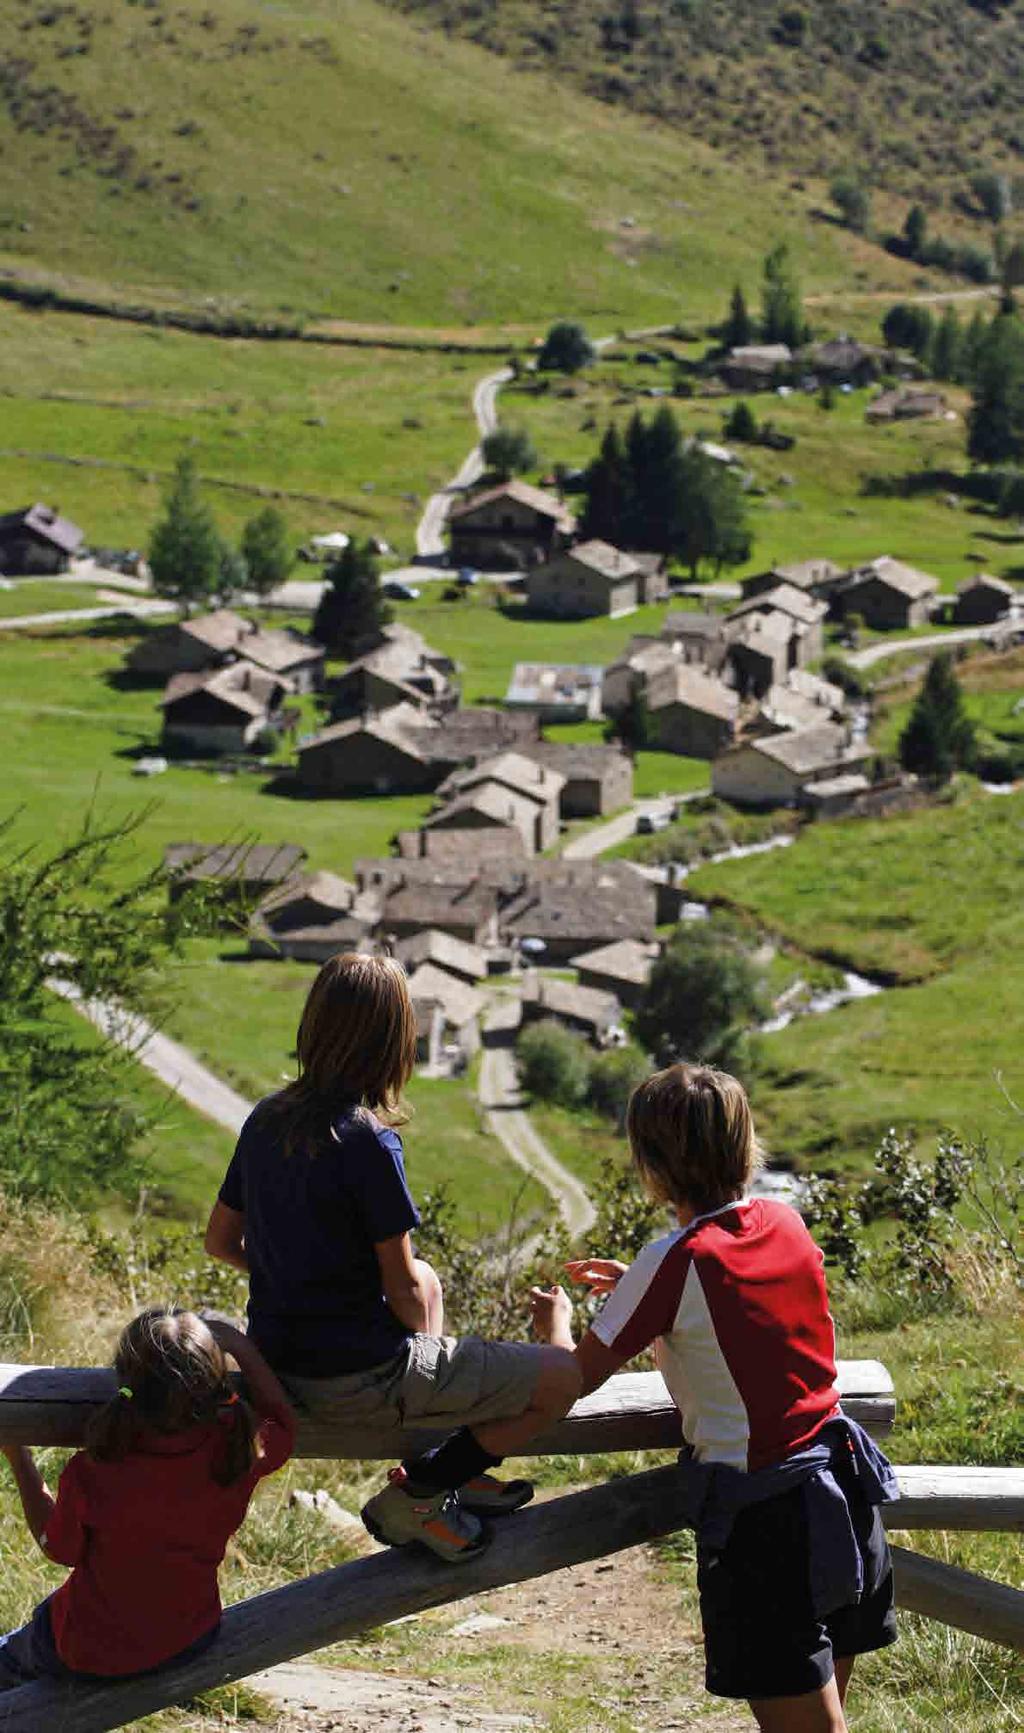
623	825
501	1099
878	652
60	616
430	529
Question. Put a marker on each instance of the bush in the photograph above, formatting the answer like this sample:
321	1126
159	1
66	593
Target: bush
566	348
553	1063
704	994
613	1077
741	424
844	675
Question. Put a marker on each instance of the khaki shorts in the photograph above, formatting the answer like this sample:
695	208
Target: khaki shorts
445	1381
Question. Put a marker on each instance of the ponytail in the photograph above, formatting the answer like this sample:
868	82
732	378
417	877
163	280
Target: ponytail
111	1433
241	1449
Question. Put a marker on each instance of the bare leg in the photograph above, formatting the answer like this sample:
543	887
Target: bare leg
844	1667
815	1712
435	1297
556	1389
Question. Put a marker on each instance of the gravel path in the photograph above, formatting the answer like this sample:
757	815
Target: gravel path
502	1101
623	825
430	529
878	652
59	616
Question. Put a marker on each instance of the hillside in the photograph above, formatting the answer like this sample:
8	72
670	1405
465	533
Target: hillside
334	157
915	94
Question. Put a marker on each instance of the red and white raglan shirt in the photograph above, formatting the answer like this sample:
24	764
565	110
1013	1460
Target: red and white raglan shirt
737	1307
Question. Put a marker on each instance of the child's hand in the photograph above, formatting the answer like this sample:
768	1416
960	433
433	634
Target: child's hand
599	1274
551	1314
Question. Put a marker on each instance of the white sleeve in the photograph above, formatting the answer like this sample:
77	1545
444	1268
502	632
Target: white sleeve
645	1300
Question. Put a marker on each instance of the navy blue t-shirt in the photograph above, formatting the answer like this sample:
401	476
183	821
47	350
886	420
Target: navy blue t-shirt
312	1221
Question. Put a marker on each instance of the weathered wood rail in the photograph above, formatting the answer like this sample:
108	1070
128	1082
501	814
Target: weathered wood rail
50	1405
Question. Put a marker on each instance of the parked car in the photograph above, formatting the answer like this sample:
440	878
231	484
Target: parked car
398	592
649	822
467	577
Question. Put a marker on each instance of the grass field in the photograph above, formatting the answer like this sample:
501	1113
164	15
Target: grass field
431	195
930	900
38	597
812	500
993	688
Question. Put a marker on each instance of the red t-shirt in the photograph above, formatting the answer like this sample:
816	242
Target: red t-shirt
145	1537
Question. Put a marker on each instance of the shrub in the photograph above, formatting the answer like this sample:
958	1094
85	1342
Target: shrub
704	994
741	424
553	1063
613	1077
566	348
844	675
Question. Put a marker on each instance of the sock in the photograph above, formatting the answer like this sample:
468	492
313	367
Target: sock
450	1464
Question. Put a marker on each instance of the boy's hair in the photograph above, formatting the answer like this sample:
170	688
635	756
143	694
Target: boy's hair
356	1043
692	1136
172	1375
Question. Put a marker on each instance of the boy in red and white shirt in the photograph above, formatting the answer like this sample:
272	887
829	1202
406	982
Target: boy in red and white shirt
793	1567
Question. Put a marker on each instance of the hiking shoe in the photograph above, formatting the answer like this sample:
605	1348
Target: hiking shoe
398	1517
485	1495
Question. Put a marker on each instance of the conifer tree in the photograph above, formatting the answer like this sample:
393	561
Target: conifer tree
185	549
738	329
266	550
995	424
351	607
948	346
939	736
782	319
609	508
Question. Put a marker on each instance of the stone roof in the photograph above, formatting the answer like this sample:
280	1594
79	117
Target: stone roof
322	887
806	750
907	580
431	905
494	802
589	1005
434	946
241	686
828	787
804	574
47	524
626	960
767	632
459	1002
599	905
683	684
575	760
280	651
267	863
681	624
544	504
462	852
784	599
524	775
221	630
985	581
394	726
604	559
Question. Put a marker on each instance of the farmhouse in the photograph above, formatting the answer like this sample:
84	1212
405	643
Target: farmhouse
466	962
690	712
814	577
510	789
906	404
291	654
761	652
399	670
189	646
556	691
572	906
462	848
697	637
982	600
623	969
308	919
887	594
755	366
774	771
598	779
245	871
628	677
368	755
37	542
583	1009
470	733
514	526
224	711
589	579
843	361
806	612
461	1006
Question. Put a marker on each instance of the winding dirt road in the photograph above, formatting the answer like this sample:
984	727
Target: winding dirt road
430	529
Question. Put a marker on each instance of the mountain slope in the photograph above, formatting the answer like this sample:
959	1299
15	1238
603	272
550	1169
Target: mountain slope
914	94
333	156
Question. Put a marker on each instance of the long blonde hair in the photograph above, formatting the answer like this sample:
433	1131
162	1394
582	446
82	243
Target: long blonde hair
356	1044
172	1375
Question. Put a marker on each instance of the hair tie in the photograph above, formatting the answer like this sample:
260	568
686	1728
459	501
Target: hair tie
124	1391
229	1401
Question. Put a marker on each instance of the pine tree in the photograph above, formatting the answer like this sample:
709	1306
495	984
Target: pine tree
915	232
711	515
351	607
948	346
939	736
973	345
266	550
635	531
995	424
659	483
782	319
609	512
185	549
738	329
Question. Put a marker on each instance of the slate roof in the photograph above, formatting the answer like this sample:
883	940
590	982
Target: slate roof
47	524
434	946
806	750
784	599
241	686
394	726
324	887
267	863
524	775
604	559
681	624
280	651
544	504
907	580
221	630
576	760
588	1005
626	960
459	1001
684	684
985	581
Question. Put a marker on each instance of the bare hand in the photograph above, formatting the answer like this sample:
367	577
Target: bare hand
551	1313
600	1275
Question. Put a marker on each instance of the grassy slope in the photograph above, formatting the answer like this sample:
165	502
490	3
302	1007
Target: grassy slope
41	597
932	899
230	169
913	97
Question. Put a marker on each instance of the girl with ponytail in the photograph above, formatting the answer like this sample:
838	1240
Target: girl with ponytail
143	1514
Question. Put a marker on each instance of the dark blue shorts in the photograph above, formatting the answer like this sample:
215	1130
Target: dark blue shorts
762	1637
30	1653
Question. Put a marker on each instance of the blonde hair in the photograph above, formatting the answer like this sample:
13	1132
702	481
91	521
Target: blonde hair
356	1043
172	1375
692	1136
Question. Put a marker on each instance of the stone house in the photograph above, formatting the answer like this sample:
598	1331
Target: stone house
699	638
573	906
584	1010
463	848
556	691
806	613
466	962
843	361
468	910
598	779
510	789
368	755
488	806
762	651
803	700
581	582
308	919
190	646
887	595
246	872
814	577
629	676
755	366
37	542
623	969
471	733
510	527
906	404
224	711
690	712
834	796
774	770
982	600
289	654
461	1007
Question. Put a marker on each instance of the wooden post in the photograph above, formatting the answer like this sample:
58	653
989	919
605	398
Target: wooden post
634	1411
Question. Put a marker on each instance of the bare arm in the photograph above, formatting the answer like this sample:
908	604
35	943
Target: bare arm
265	1390
551	1313
37	1501
402	1284
225	1237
